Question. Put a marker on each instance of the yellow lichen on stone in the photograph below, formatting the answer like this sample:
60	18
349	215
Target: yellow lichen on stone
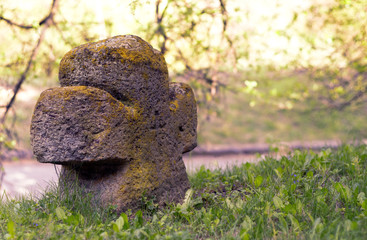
144	54
102	135
173	105
136	171
145	76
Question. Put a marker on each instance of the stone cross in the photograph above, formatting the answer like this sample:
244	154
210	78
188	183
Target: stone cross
116	124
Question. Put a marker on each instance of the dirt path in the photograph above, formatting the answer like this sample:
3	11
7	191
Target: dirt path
27	176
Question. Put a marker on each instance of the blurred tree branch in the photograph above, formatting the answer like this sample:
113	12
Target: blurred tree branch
10	22
46	23
160	29
344	79
181	24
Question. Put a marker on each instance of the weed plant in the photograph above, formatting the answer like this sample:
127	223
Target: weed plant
304	195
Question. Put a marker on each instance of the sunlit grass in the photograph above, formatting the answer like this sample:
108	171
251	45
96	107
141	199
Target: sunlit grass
303	195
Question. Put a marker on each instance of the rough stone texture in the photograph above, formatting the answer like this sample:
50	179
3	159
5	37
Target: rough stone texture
183	114
125	66
82	124
116	124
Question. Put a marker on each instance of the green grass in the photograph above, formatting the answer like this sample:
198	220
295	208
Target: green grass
304	195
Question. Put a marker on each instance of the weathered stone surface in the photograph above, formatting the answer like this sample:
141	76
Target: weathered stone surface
183	114
125	66
116	125
82	124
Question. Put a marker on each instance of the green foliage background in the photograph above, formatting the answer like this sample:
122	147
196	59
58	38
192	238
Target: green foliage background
291	65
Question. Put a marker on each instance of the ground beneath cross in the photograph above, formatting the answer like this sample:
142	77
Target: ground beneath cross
28	176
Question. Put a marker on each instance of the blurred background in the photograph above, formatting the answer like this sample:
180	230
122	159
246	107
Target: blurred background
263	71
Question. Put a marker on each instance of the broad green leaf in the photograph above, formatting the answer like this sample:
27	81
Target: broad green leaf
279	172
290	208
244	236
258	181
155	218
248	165
247	224
326	152
309	158
104	235
139	219
294	222
81	219
216	222
310	217
126	221
364	204
229	203
72	220
299	206
348	193
317	226
115	227
11	228
163	220
339	188
187	200
119	223
293	187
344	191
310	174
250	177
60	213
240	203
278	203
361	197
283	223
